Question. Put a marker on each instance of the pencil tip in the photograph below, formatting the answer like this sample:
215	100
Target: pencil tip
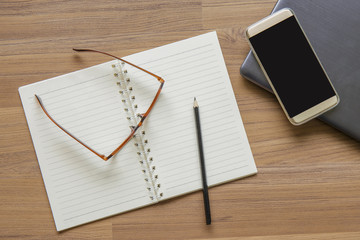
195	103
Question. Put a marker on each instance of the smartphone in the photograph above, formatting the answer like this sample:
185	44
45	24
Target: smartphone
291	67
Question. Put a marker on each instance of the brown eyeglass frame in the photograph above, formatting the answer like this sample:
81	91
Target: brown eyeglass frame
133	129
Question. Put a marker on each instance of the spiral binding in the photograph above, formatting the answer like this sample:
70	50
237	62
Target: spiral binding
141	143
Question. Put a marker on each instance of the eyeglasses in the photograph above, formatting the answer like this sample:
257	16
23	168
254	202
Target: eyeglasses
133	129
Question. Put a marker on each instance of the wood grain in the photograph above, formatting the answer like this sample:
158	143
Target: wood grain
308	185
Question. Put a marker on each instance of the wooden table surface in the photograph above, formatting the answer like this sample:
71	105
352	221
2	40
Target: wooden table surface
308	185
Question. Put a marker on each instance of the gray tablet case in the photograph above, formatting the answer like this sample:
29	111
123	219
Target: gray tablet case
333	28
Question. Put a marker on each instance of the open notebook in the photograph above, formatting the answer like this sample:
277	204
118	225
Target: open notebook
165	163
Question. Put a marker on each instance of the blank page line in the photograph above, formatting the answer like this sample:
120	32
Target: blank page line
197	180
191	51
107	207
79	209
120	187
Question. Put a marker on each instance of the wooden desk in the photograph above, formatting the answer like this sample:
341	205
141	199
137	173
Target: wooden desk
308	185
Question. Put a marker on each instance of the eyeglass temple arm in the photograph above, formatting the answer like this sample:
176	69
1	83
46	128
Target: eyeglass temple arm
92	50
59	126
143	116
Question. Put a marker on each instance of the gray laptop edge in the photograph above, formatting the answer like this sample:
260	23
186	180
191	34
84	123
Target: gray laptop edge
333	28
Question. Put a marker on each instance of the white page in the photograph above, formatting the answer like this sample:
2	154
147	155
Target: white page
81	186
191	68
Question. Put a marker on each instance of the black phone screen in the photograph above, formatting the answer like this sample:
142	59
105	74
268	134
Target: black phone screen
292	66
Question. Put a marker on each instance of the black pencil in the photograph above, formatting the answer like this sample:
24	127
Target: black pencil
202	164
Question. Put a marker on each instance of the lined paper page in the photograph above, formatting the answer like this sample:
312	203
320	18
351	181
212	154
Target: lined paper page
81	186
192	68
